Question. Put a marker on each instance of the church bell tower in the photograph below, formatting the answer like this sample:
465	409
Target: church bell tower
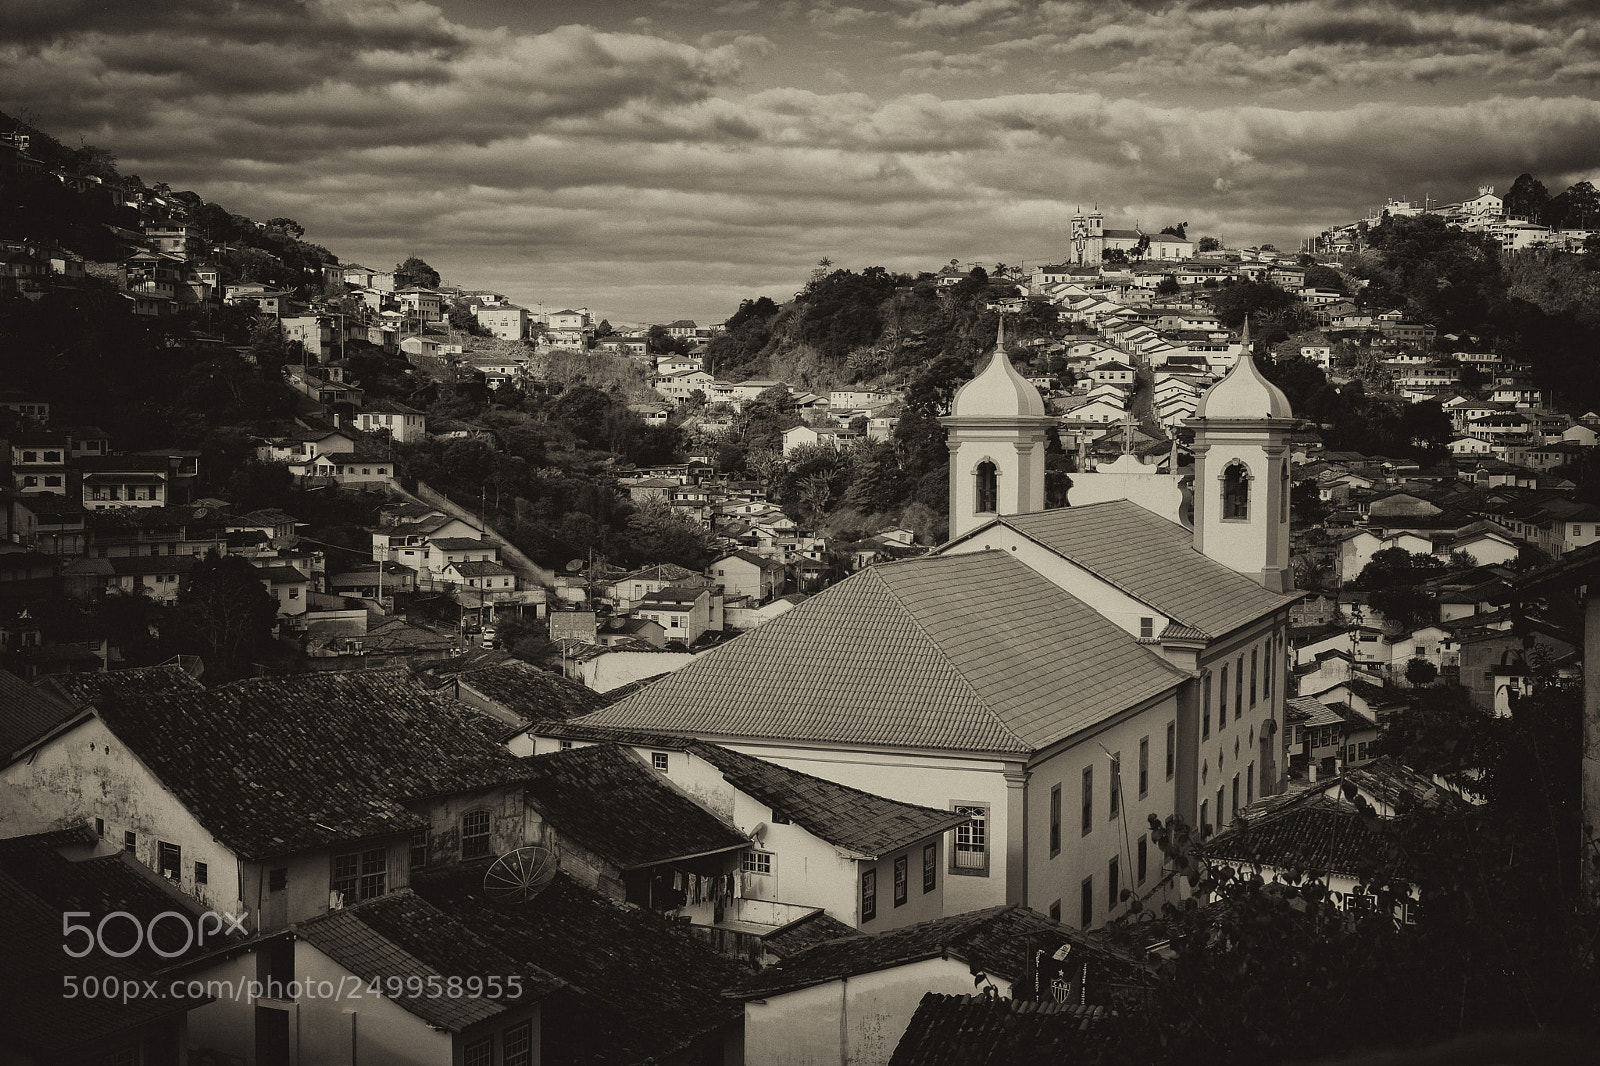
996	435
1241	475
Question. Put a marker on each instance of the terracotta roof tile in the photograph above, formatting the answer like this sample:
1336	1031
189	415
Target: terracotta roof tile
927	652
1153	560
987	1031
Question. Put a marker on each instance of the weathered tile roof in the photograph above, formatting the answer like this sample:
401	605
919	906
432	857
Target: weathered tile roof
643	820
401	936
27	713
813	929
843	816
532	694
1151	559
276	765
479	568
642	990
989	1031
995	941
927	652
1318	834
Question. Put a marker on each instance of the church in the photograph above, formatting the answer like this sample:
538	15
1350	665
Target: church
1057	676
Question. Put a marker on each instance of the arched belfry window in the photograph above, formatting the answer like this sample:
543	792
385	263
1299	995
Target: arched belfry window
1285	487
988	479
1236	492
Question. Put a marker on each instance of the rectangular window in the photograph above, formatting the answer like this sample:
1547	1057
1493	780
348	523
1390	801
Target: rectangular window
479	1053
1205	708
100	827
130	842
659	759
1250	783
170	857
1205	812
1172	748
1253	667
1116	785
1055	821
1236	795
278	880
1055	911
1273	652
1113	883
758	862
419	849
930	867
972	840
869	895
902	880
1086	824
1144	767
360	875
519	1045
202	873
1086	903
475	834
1143	858
1221	810
1147	628
1222	698
1238	689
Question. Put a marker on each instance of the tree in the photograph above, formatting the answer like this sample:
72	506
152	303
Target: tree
415	272
1115	256
1168	286
1527	198
287	225
1208	244
1180	231
225	614
1420	672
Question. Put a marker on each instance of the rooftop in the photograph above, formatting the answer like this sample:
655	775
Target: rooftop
983	1030
925	652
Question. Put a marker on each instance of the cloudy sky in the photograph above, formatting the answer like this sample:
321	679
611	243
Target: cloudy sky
659	159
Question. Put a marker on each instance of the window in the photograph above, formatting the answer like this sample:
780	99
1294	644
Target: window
100	827
1273	653
474	834
1238	689
1055	911
1250	783
1222	699
566	745
1147	628
1087	822
1172	747
758	862
479	1053
972	840
1236	795
1253	667
930	867
1236	493
902	880
1220	809
278	880
869	895
1205	708
1144	766
202	873
1143	858
1205	813
130	842
1113	882
1055	821
988	487
170	857
1086	903
419	849
658	759
1116	785
294	594
518	1048
359	875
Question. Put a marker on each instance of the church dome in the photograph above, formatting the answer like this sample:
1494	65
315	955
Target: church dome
1244	393
998	392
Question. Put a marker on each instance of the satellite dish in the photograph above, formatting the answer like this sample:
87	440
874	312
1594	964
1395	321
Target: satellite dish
575	564
518	876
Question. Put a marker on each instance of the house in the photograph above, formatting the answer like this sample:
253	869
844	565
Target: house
814	843
606	667
627	591
744	573
852	999
270	803
984	1030
39	462
685	612
506	321
404	424
1099	654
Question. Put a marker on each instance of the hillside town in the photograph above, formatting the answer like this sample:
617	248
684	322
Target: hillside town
566	692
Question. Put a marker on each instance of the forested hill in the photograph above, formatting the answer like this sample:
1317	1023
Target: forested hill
871	328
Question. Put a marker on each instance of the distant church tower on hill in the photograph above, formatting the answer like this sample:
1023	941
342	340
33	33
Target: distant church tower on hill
996	435
1241	475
